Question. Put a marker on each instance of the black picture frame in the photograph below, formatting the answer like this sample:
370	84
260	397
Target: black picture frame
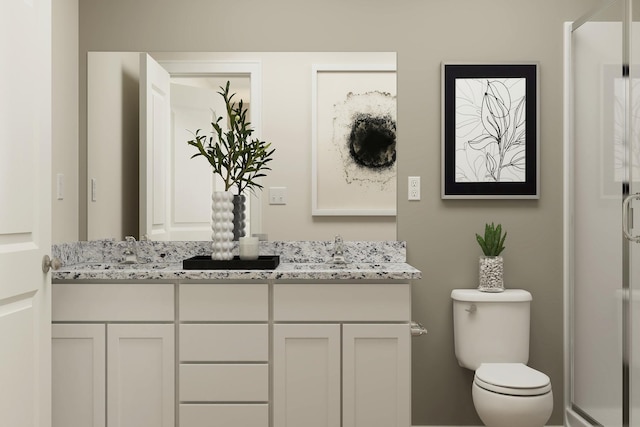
490	147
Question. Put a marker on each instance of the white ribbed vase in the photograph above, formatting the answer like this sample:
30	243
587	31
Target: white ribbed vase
222	225
491	273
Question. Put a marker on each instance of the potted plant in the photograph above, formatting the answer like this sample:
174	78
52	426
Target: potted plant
237	158
491	264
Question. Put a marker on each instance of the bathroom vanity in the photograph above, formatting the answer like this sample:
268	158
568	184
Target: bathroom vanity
306	344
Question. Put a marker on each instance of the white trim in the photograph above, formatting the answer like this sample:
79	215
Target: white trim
568	215
570	425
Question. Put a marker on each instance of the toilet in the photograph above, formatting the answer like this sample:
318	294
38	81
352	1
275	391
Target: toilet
491	337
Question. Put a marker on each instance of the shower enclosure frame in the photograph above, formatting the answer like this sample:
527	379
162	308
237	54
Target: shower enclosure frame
575	416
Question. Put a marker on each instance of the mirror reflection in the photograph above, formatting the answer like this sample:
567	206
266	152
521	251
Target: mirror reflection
195	104
162	193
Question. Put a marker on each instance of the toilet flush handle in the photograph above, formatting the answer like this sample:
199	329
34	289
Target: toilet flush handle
472	309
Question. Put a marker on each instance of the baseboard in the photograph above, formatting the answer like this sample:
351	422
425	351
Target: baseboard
469	426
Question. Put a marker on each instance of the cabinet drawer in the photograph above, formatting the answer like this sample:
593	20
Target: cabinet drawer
342	302
224	383
224	343
112	302
245	415
234	302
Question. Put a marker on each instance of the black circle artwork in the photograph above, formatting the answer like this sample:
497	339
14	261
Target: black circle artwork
372	141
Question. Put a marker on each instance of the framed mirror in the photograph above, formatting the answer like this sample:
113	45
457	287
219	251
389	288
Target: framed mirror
140	189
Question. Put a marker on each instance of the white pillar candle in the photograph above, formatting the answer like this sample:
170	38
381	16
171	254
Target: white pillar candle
248	248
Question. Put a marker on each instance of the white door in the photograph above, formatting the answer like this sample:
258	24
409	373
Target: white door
193	182
155	109
25	212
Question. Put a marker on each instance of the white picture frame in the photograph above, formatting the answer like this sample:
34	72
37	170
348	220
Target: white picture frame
353	96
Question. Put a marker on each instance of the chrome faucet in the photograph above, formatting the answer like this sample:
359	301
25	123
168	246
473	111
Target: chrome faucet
338	251
130	251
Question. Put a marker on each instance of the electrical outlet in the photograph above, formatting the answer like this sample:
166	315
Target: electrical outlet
277	195
414	188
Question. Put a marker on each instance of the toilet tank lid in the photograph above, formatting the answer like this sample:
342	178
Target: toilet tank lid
474	295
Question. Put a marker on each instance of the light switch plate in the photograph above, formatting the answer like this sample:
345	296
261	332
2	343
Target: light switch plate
277	195
60	186
94	196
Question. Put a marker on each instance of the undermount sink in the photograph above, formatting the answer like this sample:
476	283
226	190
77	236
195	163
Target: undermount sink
119	266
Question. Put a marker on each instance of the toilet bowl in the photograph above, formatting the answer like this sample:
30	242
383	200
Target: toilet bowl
512	394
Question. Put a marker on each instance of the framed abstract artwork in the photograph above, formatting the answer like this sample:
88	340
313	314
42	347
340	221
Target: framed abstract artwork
353	140
490	147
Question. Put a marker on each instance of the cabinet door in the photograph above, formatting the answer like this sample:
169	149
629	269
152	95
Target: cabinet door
140	375
376	375
306	375
78	375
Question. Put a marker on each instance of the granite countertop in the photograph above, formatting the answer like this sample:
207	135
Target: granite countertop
303	260
284	271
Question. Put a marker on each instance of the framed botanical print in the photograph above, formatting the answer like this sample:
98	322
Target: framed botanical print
490	147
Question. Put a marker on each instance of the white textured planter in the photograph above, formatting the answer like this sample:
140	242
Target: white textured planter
222	225
491	272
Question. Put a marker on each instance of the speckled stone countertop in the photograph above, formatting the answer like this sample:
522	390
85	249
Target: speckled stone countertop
302	260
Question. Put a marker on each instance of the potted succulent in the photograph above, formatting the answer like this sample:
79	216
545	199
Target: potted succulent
237	158
491	264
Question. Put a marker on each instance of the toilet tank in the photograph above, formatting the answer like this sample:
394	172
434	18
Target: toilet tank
491	327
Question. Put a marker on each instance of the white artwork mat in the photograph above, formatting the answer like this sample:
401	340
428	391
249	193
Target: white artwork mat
352	105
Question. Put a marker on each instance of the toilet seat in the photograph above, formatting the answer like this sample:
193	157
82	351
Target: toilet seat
514	379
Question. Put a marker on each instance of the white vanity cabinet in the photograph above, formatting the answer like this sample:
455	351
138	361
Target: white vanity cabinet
113	355
341	355
224	355
231	353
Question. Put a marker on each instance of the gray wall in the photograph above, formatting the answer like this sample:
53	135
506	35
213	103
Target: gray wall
64	130
440	234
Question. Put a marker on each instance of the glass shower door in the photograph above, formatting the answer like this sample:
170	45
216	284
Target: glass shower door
597	248
632	330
